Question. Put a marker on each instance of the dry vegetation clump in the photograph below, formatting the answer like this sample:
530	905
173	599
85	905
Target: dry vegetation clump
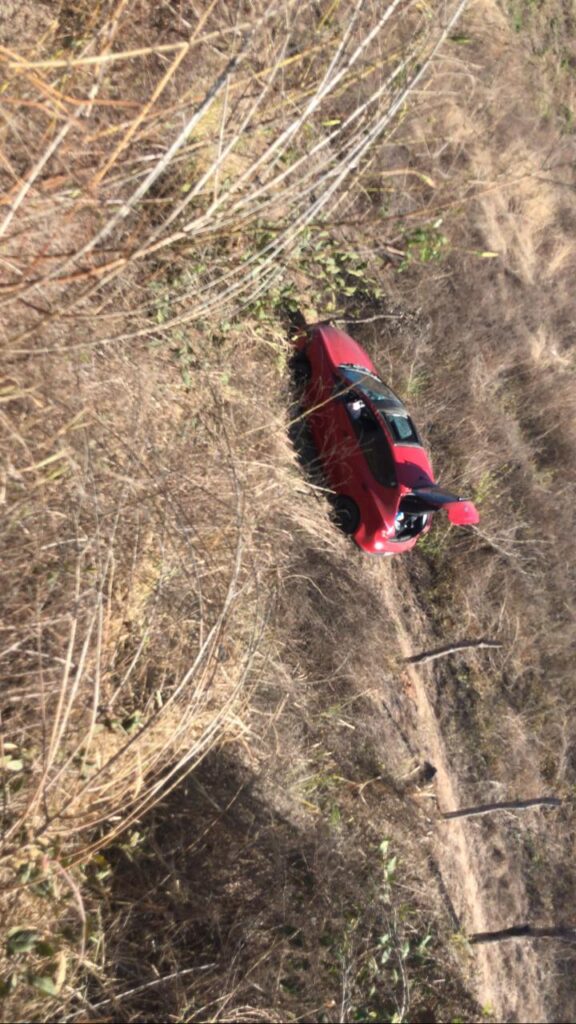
138	597
133	589
152	162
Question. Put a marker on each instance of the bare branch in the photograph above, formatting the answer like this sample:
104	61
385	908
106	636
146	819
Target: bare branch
443	652
505	805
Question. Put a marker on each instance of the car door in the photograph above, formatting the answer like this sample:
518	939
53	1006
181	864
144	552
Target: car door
328	422
377	493
361	464
345	463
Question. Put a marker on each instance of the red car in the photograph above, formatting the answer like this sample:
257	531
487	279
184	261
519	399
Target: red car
370	450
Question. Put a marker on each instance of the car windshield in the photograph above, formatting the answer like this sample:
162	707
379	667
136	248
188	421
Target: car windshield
400	425
369	383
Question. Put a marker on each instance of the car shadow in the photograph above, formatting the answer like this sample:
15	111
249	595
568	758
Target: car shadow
299	431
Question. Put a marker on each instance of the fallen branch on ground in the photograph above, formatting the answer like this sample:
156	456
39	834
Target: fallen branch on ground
443	652
507	805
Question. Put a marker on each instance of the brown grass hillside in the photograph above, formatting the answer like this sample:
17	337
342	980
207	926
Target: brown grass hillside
213	747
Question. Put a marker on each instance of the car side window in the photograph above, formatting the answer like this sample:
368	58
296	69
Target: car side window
372	440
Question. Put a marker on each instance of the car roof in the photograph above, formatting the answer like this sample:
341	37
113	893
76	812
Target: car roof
413	467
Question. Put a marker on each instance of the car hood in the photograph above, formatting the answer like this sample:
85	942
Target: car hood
341	348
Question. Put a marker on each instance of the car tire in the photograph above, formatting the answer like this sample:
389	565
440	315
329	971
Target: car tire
346	514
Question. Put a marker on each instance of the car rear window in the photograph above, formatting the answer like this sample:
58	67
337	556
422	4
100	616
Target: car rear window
402	429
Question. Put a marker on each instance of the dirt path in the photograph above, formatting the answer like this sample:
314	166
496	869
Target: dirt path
508	982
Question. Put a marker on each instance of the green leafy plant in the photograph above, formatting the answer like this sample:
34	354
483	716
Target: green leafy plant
168	294
38	963
21	940
341	275
425	244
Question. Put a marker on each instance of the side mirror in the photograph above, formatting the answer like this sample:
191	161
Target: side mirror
459	510
462	513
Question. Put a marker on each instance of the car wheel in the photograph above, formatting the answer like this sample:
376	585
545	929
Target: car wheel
346	514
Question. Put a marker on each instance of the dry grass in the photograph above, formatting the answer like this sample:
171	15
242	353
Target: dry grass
106	233
145	506
175	591
491	365
205	164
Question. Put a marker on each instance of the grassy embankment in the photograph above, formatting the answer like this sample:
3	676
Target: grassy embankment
175	592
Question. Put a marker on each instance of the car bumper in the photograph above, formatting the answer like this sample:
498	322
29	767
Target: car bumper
377	544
